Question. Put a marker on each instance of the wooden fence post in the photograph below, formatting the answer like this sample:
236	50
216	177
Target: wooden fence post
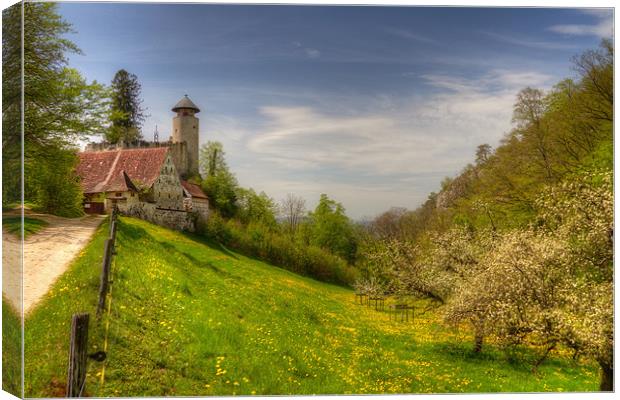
113	237
105	272
76	379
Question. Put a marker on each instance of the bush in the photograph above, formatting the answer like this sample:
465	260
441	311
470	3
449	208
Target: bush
54	186
257	240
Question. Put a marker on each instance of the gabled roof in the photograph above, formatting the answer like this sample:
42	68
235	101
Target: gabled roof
185	102
120	170
193	190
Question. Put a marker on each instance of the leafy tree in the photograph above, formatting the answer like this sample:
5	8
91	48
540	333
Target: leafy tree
596	70
330	228
127	113
212	158
257	208
60	106
58	189
220	185
483	152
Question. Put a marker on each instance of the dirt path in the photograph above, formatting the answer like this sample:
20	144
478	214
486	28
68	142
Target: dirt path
47	254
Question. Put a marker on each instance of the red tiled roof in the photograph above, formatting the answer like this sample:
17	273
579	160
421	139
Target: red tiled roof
120	170
194	190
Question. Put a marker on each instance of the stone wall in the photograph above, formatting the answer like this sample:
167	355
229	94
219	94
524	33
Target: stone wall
178	220
201	206
178	151
138	144
131	198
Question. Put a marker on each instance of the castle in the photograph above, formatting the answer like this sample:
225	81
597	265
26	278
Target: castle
146	179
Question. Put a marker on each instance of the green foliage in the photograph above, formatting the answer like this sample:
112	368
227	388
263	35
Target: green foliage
221	188
54	185
212	158
220	185
263	242
60	106
256	208
188	319
31	225
126	113
328	227
11	350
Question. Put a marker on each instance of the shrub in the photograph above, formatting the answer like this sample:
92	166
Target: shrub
264	243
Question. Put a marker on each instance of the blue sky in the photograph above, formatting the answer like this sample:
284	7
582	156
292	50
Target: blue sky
371	105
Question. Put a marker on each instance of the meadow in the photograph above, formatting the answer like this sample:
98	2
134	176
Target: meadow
31	225
11	349
190	317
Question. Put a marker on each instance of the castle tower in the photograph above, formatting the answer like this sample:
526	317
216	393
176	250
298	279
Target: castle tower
185	130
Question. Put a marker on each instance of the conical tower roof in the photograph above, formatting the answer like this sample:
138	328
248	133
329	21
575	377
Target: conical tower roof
185	102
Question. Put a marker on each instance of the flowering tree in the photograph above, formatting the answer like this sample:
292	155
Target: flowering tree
551	283
436	271
580	213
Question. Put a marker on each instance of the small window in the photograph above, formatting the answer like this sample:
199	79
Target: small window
119	194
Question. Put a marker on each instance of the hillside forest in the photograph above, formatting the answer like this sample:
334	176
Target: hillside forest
517	248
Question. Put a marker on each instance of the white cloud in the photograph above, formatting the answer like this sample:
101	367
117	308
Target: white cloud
371	156
308	51
527	42
406	34
603	28
494	80
312	53
421	135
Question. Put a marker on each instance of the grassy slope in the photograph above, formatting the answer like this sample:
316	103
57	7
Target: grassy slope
31	225
11	350
190	319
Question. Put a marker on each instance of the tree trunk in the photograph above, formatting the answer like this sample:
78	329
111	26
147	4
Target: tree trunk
607	376
478	339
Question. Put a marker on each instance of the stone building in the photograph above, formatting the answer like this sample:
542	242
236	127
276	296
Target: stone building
185	130
147	179
195	199
183	143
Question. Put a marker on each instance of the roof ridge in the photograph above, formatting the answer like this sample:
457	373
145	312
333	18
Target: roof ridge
112	168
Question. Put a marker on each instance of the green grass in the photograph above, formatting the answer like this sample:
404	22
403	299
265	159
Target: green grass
190	318
31	225
11	350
